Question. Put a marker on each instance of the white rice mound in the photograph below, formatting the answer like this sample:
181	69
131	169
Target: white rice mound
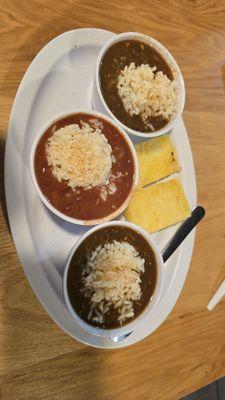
112	278
81	156
147	93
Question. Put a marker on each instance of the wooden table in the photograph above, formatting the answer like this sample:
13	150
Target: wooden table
37	360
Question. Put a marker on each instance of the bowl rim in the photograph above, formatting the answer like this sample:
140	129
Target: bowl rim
149	309
41	195
173	64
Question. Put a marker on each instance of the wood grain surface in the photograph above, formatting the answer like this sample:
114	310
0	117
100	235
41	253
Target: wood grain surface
37	360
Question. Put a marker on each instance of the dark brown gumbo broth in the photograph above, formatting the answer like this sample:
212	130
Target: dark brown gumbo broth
82	304
115	59
82	203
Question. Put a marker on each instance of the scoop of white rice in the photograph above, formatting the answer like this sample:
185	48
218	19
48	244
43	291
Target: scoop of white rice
80	155
146	92
112	278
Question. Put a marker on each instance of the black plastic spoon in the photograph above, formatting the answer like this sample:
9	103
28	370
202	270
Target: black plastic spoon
182	232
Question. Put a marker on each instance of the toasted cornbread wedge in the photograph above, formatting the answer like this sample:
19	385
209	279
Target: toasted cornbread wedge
156	160
158	206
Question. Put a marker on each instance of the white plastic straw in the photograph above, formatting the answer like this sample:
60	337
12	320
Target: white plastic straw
217	296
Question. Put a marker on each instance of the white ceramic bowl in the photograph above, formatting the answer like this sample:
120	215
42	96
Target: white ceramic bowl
98	102
42	196
150	308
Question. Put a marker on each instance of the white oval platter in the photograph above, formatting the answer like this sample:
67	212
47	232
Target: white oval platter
59	79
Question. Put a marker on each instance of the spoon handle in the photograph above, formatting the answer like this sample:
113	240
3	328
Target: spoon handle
185	228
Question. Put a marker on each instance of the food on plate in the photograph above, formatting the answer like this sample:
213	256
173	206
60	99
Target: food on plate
111	277
80	155
158	206
85	167
156	159
138	85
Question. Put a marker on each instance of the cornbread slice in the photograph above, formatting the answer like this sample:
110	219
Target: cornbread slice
158	206
156	159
